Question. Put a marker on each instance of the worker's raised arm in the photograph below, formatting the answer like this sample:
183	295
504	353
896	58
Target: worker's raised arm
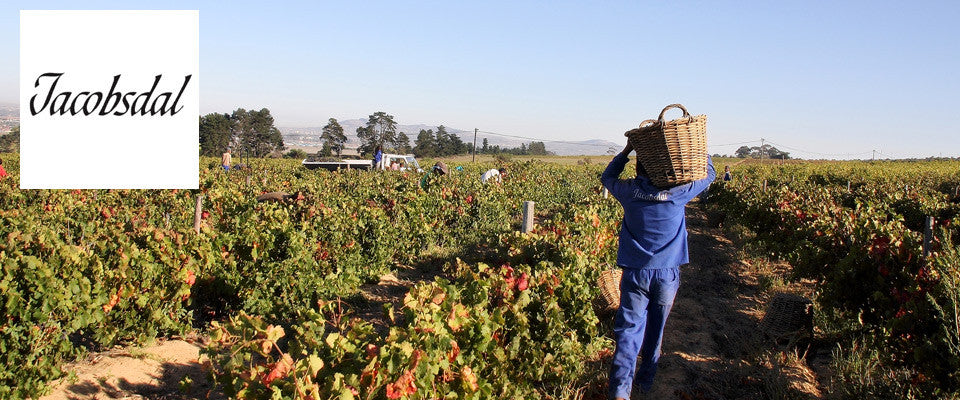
611	175
703	184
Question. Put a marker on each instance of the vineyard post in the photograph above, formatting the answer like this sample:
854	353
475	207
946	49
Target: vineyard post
764	185
197	213
927	236
956	192
166	220
527	217
848	185
606	193
248	180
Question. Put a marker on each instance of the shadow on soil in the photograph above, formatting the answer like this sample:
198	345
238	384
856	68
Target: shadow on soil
165	385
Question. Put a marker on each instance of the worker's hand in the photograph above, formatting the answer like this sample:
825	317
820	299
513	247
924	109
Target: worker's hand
628	148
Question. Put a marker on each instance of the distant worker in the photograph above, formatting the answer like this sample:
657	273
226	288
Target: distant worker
726	174
652	247
495	174
439	169
225	160
3	172
394	165
378	158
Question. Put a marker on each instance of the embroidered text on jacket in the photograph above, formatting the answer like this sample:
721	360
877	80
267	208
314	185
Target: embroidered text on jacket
660	196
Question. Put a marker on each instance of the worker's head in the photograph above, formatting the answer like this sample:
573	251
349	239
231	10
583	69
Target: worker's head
726	168
440	168
502	171
640	170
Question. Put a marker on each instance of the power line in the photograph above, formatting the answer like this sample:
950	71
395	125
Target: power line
819	153
731	144
591	144
884	154
544	140
794	149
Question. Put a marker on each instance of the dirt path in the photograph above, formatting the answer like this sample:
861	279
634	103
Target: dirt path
712	345
153	372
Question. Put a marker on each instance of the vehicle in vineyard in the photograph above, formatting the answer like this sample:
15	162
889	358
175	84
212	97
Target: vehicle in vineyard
408	162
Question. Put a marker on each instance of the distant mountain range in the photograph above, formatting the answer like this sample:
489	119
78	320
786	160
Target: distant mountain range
310	137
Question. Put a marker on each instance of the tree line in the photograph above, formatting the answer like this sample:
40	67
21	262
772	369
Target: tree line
533	149
380	131
253	133
250	133
765	151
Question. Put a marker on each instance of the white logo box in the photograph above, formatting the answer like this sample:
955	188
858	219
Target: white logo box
90	150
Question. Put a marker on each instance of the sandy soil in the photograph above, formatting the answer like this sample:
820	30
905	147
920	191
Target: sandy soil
153	372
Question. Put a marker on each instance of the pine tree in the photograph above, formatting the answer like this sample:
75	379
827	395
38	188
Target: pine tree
426	144
381	130
333	137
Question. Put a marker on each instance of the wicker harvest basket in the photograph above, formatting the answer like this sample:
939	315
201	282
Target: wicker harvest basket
788	316
672	152
609	283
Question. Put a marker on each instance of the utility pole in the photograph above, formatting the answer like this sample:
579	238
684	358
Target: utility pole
761	152
874	158
474	144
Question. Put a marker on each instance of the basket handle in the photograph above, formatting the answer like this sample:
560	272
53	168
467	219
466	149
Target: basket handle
645	124
686	114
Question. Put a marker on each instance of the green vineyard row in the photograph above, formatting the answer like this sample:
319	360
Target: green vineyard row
87	269
857	229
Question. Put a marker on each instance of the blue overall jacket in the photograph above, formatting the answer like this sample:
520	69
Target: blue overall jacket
654	230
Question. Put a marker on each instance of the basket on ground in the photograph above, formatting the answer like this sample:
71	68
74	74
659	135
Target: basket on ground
788	316
609	283
672	152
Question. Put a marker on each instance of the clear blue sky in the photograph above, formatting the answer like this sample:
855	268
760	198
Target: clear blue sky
811	77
